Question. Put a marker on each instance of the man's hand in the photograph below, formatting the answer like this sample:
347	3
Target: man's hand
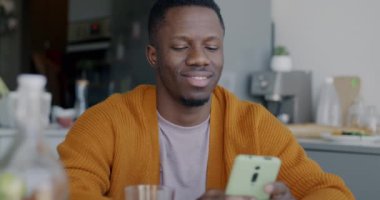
278	191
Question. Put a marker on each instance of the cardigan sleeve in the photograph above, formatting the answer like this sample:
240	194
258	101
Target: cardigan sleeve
303	176
86	154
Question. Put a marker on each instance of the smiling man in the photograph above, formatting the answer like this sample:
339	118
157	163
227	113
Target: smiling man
185	131
186	50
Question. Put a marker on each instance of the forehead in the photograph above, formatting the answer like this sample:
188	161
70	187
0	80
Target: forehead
191	19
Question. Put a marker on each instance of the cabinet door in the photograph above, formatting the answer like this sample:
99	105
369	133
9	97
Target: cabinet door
47	22
359	171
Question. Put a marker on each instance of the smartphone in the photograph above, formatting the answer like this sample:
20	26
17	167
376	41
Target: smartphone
250	173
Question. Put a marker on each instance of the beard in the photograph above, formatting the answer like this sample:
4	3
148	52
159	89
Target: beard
194	102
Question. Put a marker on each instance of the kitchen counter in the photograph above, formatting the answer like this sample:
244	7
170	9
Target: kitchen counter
342	147
356	162
54	135
50	132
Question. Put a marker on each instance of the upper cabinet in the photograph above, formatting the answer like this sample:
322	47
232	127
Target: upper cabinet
89	9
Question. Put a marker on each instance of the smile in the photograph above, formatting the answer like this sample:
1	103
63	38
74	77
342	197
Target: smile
198	81
199	77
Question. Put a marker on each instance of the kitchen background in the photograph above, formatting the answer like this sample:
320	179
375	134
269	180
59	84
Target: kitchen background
327	38
339	37
104	42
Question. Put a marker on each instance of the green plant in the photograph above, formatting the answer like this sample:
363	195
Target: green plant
280	51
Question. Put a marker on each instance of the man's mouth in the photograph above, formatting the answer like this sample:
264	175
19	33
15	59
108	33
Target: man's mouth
198	79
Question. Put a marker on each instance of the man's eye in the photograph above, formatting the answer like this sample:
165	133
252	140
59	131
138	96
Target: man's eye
212	48
179	48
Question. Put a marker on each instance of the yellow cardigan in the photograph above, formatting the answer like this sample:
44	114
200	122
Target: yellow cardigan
115	144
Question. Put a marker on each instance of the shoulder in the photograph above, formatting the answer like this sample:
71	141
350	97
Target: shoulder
131	100
251	121
117	109
250	115
103	118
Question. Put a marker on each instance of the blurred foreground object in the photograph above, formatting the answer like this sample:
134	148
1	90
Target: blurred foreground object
29	169
3	88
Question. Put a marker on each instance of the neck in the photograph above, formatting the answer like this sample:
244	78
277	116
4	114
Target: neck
177	113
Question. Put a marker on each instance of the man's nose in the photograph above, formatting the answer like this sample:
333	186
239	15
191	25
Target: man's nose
197	57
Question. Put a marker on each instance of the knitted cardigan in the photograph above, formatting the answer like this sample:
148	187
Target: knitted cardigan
115	144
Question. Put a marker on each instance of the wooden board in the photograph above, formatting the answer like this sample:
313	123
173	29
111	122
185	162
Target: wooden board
311	130
348	89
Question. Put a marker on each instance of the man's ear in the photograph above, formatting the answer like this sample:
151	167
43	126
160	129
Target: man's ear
151	55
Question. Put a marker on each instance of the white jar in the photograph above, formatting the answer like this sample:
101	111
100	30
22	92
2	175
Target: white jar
281	63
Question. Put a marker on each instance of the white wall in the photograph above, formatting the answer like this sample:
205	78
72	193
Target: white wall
247	43
333	37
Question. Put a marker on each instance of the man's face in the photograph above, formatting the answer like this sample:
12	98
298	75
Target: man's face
188	53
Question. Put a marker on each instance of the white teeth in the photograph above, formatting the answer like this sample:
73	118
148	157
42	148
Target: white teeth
199	77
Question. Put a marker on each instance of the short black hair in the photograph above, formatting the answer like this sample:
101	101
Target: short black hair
159	9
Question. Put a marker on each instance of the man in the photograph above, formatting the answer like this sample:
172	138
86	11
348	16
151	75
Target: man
185	132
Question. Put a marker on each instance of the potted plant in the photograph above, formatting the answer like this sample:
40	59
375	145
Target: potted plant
281	60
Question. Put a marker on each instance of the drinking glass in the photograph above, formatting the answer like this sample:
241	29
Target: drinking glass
371	120
149	192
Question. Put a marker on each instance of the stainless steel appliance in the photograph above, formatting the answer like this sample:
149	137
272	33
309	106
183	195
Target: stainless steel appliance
286	95
87	57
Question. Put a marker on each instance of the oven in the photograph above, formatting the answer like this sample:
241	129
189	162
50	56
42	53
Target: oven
86	58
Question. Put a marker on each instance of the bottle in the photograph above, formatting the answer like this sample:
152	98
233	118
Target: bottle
32	172
81	96
328	108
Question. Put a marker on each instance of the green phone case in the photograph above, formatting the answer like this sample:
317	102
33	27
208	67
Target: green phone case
250	173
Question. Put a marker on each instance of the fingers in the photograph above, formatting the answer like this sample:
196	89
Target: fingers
219	195
240	198
278	191
212	195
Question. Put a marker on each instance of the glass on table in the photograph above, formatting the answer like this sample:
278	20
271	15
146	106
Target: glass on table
149	192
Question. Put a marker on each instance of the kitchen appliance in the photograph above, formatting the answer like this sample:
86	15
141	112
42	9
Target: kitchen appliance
89	35
87	57
287	95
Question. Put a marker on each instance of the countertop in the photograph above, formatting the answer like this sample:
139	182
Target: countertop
51	131
343	147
